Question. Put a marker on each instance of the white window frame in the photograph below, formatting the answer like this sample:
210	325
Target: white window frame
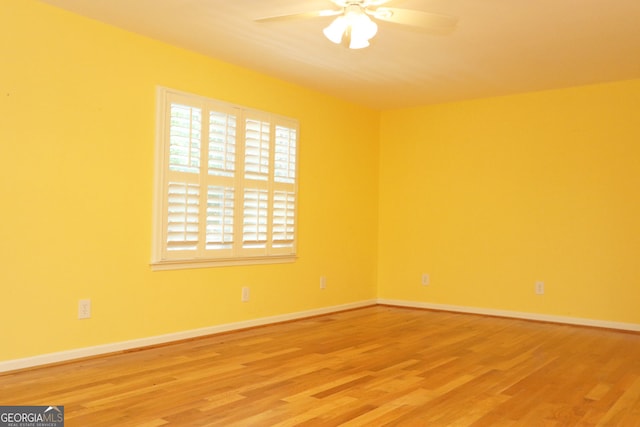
276	235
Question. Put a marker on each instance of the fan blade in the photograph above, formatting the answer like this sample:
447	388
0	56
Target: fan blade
298	16
415	18
363	3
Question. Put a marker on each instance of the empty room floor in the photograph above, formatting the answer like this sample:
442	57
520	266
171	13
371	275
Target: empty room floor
373	366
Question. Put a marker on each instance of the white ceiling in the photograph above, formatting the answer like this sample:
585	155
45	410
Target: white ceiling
499	46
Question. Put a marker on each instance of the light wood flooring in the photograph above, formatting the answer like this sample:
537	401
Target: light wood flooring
375	366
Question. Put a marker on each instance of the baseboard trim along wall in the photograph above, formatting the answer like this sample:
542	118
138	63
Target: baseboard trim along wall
64	356
514	314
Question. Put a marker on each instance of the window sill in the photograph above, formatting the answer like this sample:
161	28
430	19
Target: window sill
226	262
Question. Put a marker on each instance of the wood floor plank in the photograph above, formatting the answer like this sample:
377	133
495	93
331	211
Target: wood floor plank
376	366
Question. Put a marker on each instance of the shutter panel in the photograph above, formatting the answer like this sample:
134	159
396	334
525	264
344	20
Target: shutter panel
182	219
283	226
220	212
254	227
222	144
185	136
283	214
285	155
220	178
256	151
183	191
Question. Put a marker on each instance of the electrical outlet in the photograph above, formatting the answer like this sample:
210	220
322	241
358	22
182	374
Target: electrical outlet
84	309
323	282
245	294
425	279
539	288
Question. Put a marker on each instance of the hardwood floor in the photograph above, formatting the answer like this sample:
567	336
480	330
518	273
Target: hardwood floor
374	366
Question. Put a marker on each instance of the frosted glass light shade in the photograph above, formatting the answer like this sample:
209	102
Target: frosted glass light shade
336	29
362	30
355	25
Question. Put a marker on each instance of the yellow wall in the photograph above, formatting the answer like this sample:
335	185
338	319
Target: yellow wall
486	196
77	114
490	196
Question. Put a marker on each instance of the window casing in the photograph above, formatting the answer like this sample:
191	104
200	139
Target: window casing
226	184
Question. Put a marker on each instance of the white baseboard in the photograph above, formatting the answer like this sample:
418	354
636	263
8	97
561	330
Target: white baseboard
515	314
63	356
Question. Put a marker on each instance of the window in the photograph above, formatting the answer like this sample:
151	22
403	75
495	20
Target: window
226	184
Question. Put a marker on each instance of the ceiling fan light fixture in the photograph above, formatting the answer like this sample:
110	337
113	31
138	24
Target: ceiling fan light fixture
355	25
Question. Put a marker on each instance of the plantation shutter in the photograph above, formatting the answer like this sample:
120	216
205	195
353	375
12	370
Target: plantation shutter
228	182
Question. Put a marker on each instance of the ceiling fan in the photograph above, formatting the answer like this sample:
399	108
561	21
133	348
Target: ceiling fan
354	26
